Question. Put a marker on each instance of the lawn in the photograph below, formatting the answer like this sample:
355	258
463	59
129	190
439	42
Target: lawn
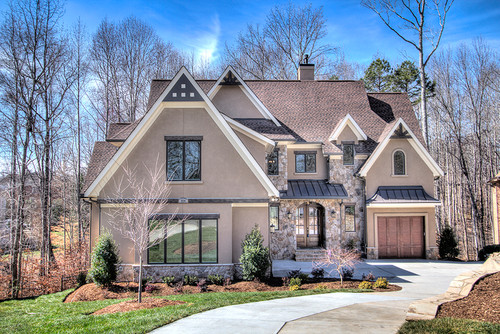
449	326
48	314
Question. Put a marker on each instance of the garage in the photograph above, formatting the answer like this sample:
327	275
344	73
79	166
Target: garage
401	237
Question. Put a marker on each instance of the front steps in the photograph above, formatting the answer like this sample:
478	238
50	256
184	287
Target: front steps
309	254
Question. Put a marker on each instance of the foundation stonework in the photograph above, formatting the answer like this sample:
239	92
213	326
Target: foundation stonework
128	272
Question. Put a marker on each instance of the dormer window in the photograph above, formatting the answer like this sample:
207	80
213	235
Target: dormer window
348	154
305	162
399	163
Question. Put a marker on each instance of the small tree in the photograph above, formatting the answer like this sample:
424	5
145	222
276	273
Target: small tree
254	257
448	245
138	199
340	260
103	268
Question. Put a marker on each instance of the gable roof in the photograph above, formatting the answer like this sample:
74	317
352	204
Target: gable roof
414	142
148	119
351	123
248	92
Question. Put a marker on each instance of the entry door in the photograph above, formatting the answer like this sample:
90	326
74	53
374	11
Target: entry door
308	226
401	237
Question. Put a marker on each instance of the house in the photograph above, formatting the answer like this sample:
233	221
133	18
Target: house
315	164
495	207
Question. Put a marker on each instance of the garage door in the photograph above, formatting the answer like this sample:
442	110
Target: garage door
401	237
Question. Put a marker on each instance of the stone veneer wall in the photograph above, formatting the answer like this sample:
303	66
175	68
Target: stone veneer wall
280	180
129	272
344	174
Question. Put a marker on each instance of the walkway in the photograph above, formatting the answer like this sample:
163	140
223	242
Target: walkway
346	312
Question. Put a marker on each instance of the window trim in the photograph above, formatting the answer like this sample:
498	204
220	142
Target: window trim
277	150
345	216
305	153
353	153
182	139
184	217
405	165
276	228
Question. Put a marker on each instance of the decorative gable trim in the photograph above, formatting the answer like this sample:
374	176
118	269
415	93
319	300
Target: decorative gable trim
401	130
351	123
235	79
153	113
249	132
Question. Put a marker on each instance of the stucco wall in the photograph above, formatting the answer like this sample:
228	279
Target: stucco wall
232	101
244	219
347	135
257	150
321	165
418	173
429	225
224	174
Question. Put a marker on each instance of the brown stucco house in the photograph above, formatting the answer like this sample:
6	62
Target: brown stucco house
315	164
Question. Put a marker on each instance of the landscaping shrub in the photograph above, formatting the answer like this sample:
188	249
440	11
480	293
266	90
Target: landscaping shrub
486	251
286	281
179	287
368	277
365	285
105	260
202	285
347	273
227	281
320	287
81	279
318	273
149	288
254	257
448	245
190	280
380	283
294	287
216	279
295	281
169	280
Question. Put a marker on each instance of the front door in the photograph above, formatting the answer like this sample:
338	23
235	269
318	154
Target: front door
308	225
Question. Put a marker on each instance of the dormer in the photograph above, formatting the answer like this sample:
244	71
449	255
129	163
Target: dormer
347	130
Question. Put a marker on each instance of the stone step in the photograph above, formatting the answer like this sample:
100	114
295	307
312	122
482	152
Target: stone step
309	255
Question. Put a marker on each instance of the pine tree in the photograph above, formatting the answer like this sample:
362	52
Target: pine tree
105	260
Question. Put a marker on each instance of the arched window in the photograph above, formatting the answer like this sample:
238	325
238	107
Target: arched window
399	162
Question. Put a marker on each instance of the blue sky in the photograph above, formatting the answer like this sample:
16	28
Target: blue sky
205	26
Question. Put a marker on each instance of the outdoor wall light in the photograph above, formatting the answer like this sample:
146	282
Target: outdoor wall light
333	213
289	215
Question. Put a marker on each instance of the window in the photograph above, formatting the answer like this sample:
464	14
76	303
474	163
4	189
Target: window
272	163
183	158
348	154
399	163
349	221
274	218
305	162
189	241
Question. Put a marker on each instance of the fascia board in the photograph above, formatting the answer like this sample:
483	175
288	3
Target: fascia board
348	121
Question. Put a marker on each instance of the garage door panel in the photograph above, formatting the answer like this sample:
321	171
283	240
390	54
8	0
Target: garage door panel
401	237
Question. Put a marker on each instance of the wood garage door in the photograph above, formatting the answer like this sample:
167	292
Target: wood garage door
401	237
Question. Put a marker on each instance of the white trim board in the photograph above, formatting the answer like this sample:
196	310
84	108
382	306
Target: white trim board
417	146
248	92
153	114
351	123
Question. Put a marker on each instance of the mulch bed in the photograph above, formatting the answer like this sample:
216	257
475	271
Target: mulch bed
91	292
133	305
482	303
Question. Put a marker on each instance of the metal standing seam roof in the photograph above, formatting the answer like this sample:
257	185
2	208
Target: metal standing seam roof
401	194
303	189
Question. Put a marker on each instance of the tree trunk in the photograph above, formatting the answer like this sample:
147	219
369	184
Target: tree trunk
139	293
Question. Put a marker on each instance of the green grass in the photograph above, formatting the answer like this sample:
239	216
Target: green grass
448	326
48	314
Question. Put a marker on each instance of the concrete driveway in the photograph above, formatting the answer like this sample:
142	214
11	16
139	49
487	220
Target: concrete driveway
336	312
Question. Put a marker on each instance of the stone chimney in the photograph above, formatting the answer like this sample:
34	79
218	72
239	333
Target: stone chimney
306	71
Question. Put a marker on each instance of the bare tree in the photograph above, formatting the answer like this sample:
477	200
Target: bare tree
338	259
419	23
275	50
138	200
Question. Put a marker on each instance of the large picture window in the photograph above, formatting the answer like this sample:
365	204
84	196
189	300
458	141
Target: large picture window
183	159
305	162
188	241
